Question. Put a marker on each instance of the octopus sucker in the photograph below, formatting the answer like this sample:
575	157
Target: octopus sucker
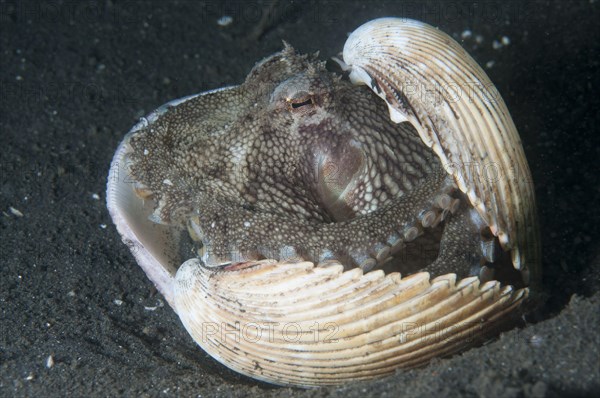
313	229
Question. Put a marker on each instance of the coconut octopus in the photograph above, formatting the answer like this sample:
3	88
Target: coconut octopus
300	197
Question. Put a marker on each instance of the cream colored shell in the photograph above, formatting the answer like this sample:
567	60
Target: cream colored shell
301	325
429	80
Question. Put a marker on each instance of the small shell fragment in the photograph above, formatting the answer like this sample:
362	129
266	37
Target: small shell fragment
49	362
15	211
225	20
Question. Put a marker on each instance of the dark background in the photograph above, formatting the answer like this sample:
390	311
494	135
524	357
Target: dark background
75	76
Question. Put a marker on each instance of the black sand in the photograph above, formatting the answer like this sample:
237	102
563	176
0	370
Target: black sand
75	76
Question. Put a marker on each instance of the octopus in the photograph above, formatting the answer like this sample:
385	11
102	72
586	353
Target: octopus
302	184
299	164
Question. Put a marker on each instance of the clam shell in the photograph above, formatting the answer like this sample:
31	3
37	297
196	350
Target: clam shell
300	325
429	80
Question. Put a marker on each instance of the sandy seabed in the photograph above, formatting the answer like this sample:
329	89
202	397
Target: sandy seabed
75	76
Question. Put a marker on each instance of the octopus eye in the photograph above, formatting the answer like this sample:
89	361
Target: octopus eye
302	101
296	105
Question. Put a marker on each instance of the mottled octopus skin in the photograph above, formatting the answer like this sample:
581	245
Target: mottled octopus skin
295	163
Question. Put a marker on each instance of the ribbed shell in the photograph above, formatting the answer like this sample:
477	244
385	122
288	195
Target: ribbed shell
407	63
301	325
